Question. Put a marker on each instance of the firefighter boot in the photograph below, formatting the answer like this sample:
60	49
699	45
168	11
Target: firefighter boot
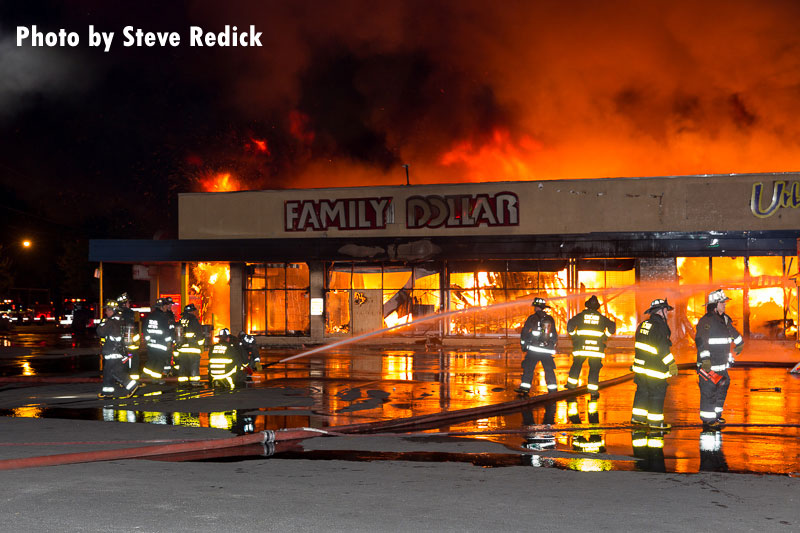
523	389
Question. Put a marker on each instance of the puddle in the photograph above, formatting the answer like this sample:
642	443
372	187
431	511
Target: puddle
373	385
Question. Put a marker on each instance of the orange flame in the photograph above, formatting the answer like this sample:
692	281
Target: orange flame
221	182
499	158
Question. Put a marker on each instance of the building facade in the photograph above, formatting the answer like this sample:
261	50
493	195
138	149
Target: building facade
463	261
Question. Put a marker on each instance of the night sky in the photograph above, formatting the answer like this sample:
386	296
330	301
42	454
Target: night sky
98	144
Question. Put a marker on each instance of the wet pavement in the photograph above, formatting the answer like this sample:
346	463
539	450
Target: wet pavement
362	384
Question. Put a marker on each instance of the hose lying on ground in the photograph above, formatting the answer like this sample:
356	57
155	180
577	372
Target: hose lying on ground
149	451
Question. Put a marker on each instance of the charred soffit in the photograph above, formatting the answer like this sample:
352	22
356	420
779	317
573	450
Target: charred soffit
590	245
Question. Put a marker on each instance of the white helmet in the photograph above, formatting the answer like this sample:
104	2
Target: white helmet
717	296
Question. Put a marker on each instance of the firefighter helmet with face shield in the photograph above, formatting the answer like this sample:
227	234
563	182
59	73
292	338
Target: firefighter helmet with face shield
190	308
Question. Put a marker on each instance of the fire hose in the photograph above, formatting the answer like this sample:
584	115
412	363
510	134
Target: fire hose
262	437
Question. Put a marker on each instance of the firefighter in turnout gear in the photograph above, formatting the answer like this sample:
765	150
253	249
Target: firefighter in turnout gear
113	349
225	362
250	355
130	329
538	340
168	364
250	350
715	333
159	337
653	363
589	331
191	346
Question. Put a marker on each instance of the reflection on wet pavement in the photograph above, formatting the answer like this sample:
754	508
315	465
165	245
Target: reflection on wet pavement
368	384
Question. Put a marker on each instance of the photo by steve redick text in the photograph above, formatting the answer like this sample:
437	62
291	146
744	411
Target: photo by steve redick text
231	36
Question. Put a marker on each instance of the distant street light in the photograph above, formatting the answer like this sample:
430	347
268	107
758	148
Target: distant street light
26	243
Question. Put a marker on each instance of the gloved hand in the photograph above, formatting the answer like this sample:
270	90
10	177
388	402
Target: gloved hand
673	369
738	348
705	364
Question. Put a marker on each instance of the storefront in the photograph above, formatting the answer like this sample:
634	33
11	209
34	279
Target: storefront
314	265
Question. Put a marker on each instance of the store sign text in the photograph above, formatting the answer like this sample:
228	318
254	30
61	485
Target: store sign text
462	211
784	194
344	214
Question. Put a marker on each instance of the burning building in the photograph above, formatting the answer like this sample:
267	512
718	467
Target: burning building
312	265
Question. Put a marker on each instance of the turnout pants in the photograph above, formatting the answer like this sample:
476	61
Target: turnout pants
548	365
648	402
133	364
595	364
189	366
114	371
712	397
157	359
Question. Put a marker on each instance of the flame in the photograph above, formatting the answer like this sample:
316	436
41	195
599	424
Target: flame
221	182
393	320
260	146
214	297
499	158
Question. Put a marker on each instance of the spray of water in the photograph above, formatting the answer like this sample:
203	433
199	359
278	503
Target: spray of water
674	292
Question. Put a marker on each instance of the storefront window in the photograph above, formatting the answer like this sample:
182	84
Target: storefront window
613	281
790	290
769	288
363	298
728	273
694	277
520	285
487	284
277	299
554	287
770	298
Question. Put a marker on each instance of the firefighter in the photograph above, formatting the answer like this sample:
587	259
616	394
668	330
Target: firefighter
715	333
159	339
113	349
538	340
589	331
250	355
191	346
653	363
169	368
225	362
130	328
